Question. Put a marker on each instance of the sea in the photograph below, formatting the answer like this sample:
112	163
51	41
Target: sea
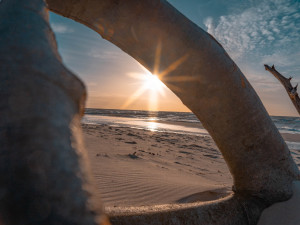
173	122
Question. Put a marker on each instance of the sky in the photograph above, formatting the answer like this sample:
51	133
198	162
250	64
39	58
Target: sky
253	32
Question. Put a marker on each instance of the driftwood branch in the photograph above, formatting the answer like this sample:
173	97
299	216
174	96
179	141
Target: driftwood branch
44	178
168	44
43	175
286	82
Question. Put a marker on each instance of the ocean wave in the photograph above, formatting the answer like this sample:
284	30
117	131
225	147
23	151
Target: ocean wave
284	124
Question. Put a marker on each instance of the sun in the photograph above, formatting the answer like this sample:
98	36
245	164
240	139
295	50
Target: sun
153	83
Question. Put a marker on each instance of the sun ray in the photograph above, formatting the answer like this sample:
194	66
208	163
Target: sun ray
174	88
133	97
181	78
137	76
173	66
152	82
152	103
157	58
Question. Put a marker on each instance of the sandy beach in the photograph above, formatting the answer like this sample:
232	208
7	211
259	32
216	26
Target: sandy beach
135	167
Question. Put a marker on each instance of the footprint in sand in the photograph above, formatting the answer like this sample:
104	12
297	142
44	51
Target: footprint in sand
131	142
210	156
187	153
133	156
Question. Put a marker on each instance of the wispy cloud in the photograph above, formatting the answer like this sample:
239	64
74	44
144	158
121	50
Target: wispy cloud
106	54
264	32
268	25
61	28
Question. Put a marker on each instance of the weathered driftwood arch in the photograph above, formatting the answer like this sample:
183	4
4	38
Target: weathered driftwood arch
41	103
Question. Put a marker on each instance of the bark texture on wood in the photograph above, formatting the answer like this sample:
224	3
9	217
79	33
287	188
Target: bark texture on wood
286	82
170	45
43	177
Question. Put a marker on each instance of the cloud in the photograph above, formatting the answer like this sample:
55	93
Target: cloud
209	23
264	32
61	28
106	54
269	25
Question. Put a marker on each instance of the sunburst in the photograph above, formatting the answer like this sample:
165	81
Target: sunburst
151	82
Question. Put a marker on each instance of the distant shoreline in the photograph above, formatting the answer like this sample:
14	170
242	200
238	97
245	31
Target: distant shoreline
144	110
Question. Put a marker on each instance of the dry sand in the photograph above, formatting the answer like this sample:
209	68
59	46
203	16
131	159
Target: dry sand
134	167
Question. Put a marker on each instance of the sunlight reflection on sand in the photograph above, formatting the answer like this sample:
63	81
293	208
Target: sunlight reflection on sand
147	124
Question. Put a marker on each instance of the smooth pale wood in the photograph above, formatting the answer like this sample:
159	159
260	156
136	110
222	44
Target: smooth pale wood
286	83
167	43
43	179
219	94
